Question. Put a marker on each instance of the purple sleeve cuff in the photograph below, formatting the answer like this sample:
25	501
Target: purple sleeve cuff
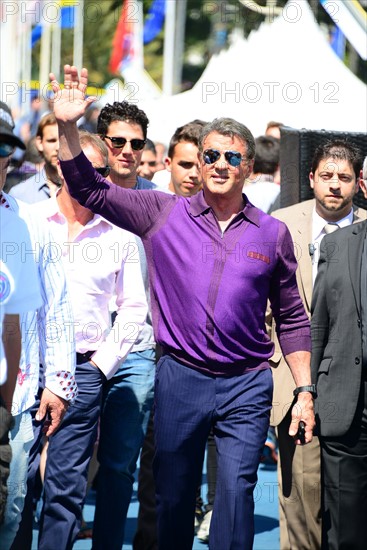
299	340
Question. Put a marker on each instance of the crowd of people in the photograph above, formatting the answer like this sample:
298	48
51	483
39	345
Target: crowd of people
169	307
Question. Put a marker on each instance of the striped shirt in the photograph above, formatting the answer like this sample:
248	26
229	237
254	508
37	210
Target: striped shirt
47	334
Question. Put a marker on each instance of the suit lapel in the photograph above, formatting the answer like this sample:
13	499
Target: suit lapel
359	215
355	248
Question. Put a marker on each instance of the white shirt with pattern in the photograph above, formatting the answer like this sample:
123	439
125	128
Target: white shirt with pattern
46	334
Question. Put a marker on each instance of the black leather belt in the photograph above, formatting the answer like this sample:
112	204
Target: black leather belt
83	357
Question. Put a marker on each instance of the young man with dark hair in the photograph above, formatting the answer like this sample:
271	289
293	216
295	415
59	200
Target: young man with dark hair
123	127
182	175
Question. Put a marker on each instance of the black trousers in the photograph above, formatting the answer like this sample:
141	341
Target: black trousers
344	482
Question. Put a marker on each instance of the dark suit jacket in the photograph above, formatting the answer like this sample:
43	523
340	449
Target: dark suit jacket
336	361
299	221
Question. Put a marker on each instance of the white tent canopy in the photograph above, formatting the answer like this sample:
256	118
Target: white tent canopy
284	71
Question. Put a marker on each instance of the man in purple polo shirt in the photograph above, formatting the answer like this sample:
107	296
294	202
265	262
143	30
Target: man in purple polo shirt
214	260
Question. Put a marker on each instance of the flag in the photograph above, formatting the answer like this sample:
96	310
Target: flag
123	40
67	20
338	42
155	19
351	19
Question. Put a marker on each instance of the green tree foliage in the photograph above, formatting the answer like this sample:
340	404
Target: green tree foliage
207	28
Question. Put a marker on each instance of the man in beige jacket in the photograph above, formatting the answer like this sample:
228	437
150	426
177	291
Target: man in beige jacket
334	179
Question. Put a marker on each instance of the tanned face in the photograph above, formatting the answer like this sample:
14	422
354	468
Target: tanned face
48	145
124	162
185	170
334	184
220	178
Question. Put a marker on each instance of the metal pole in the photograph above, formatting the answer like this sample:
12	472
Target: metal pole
138	36
169	47
45	60
78	34
26	65
56	48
180	45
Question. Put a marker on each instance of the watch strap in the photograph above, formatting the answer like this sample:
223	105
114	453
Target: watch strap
311	388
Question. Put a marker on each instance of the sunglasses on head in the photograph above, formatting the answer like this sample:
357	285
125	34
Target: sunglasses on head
6	150
210	156
120	142
103	170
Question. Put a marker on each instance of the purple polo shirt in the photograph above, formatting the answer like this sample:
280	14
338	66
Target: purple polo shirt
209	289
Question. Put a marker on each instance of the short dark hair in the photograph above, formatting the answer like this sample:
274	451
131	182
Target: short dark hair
188	133
121	110
338	149
364	169
267	155
230	127
149	146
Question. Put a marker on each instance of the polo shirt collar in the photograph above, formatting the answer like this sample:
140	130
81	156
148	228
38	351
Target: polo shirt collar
198	206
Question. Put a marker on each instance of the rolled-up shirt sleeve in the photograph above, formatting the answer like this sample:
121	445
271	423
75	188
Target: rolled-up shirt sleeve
55	322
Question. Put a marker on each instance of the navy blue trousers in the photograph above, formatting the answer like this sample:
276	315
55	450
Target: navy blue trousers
187	404
69	453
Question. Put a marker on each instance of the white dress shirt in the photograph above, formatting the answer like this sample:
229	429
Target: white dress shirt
318	233
101	261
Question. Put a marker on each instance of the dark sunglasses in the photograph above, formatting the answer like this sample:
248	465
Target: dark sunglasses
103	170
210	156
6	150
120	142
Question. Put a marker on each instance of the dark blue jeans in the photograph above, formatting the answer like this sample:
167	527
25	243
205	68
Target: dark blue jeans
69	453
128	399
187	404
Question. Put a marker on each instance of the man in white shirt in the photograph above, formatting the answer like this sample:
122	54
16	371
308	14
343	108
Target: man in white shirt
46	338
20	292
101	262
334	179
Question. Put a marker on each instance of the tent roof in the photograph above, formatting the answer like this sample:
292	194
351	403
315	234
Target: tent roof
284	71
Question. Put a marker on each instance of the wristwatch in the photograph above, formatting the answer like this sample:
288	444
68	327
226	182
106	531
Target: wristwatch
311	388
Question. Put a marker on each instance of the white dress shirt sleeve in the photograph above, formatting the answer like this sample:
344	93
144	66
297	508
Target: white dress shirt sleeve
132	309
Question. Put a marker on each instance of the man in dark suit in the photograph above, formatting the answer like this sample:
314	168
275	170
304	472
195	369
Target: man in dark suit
339	367
299	466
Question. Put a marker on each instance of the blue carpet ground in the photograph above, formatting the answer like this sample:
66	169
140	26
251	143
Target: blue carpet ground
266	516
